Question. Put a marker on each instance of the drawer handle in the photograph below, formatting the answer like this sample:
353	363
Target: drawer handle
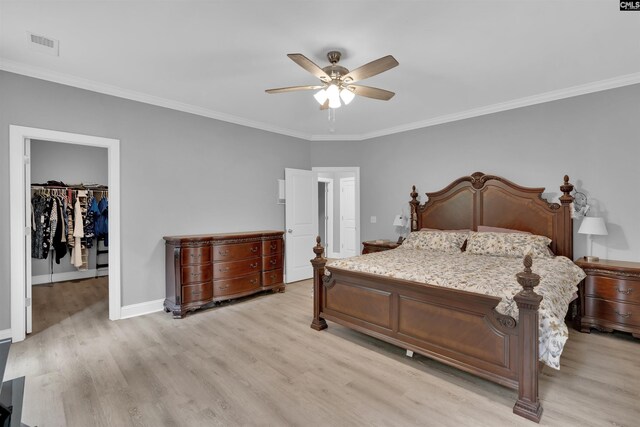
625	291
194	256
625	315
254	249
254	265
196	293
224	287
253	281
273	277
195	274
273	246
273	262
223	270
223	253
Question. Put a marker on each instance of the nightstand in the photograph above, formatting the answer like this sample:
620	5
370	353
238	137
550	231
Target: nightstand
610	296
378	246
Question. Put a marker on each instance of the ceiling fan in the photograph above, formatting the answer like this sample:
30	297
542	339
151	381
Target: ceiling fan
337	81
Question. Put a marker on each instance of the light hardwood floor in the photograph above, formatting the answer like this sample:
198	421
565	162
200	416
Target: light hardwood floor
257	362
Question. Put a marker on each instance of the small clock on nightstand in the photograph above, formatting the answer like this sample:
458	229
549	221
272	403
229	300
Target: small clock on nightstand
378	246
610	296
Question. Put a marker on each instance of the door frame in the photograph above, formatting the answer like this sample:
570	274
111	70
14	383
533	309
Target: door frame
356	171
328	206
18	135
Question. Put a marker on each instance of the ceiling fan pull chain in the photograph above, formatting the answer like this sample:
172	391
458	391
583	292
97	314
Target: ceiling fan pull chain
332	120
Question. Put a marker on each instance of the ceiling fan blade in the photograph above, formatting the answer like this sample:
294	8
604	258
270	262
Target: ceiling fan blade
372	92
310	66
371	69
292	89
325	106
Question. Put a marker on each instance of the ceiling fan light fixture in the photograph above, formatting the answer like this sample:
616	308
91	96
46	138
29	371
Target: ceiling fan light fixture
333	93
321	96
347	96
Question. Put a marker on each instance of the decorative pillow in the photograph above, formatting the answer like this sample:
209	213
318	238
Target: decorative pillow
509	244
487	229
443	241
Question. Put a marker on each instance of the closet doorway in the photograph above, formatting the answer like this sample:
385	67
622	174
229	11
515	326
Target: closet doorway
22	140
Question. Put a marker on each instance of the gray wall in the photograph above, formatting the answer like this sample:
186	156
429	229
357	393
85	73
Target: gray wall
592	138
71	164
180	173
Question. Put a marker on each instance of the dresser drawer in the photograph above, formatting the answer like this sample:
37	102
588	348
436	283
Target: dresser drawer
270	278
612	289
616	312
272	262
231	269
236	286
235	252
196	273
197	255
271	247
195	293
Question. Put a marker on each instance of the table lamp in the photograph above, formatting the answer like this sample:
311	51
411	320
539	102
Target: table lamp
592	226
400	221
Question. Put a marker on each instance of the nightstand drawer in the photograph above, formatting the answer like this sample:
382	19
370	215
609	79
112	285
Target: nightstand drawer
616	312
612	289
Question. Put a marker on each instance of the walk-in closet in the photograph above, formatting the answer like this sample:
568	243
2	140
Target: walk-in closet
69	231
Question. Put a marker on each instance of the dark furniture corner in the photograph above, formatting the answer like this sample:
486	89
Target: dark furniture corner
11	392
371	246
609	296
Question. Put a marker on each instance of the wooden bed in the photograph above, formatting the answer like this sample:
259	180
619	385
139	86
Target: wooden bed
455	327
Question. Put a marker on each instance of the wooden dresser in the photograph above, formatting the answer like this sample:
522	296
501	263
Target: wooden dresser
203	269
610	296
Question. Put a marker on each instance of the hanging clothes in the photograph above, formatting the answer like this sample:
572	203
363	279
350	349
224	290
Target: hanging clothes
102	221
59	237
78	233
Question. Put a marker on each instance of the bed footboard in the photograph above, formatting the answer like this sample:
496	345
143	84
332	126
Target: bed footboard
459	328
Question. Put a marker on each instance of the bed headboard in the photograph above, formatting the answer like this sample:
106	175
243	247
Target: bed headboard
494	201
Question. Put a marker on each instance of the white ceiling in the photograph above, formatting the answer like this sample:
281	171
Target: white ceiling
457	59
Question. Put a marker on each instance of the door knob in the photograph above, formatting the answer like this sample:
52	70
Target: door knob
289	231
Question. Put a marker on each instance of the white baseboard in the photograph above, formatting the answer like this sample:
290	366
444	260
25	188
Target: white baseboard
69	275
139	309
4	334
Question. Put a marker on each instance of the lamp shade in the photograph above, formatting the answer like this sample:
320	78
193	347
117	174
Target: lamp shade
398	221
593	225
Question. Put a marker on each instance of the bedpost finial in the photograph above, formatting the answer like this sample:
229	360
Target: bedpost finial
527	279
566	189
318	249
414	193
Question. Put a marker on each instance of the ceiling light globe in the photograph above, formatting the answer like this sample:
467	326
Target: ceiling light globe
321	96
334	102
347	96
332	91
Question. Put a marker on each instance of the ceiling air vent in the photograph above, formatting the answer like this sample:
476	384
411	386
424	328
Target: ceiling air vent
43	44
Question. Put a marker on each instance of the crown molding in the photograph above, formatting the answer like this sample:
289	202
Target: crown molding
70	80
570	92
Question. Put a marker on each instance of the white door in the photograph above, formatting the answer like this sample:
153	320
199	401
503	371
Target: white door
301	222
348	244
27	236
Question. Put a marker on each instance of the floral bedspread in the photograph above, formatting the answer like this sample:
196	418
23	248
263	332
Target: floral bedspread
489	275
